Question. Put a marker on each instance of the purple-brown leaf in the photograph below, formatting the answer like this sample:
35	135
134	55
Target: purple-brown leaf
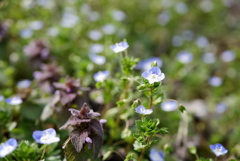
96	126
97	144
78	138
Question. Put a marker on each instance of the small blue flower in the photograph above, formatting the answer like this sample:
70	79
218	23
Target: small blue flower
221	108
8	147
228	56
142	110
215	81
153	75
169	105
156	155
202	42
146	64
119	47
97	59
101	76
24	84
1	98
47	136
218	149
184	57
14	100
209	58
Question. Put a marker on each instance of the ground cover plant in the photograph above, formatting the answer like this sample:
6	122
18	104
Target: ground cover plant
119	80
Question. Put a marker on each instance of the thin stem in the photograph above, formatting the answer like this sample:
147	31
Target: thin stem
6	158
150	99
216	158
143	151
197	156
44	151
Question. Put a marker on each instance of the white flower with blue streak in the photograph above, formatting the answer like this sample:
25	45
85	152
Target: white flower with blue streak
47	136
101	76
14	100
153	75
169	105
218	149
146	64
119	47
8	147
156	155
142	110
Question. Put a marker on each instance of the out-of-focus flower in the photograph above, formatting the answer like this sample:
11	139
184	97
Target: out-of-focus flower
153	75
206	5
96	48
164	18
95	35
26	33
97	59
8	147
209	58
202	42
181	8
187	35
37	50
47	136
228	56
14	100
221	108
215	81
169	105
93	16
119	47
109	29
1	98
218	149
36	25
184	57
3	31
89	142
69	18
102	121
156	155
48	4
101	76
142	110
24	84
177	41
118	15
146	64
53	31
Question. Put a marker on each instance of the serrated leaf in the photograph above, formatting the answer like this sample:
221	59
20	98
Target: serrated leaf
97	142
78	138
96	126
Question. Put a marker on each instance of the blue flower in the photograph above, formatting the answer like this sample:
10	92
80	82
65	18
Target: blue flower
142	110
153	75
228	56
1	98
215	81
209	58
47	136
184	57
218	149
169	105
221	108
24	84
14	100
97	59
156	155
8	147
101	76
146	64
119	47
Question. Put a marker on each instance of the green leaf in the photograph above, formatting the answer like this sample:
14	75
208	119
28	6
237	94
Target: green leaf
126	133
164	131
107	154
138	146
182	108
193	150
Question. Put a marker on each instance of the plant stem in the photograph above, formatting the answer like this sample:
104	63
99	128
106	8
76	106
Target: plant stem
150	99
143	151
6	158
44	151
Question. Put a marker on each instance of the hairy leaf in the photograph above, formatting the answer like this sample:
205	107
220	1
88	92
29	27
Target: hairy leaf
78	138
97	144
96	126
74	121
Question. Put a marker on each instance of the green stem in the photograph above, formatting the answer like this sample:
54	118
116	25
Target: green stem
143	151
216	158
44	151
150	99
6	158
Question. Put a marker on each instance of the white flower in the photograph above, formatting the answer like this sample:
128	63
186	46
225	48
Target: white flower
169	105
202	42
8	147
153	75
228	56
101	76
218	149
142	110
181	8
47	136
14	100
26	33
209	58
118	15
36	25
119	47
215	81
97	59
95	35
109	29
96	48
24	84
184	57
